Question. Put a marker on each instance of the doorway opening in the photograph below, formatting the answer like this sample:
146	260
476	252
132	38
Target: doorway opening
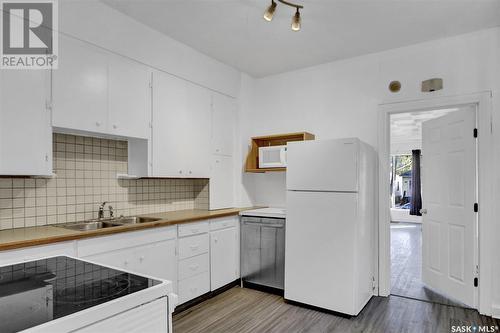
430	154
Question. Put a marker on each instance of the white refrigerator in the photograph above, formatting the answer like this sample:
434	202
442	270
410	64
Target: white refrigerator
331	212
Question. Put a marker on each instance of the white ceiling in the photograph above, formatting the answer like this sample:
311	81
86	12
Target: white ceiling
406	128
234	32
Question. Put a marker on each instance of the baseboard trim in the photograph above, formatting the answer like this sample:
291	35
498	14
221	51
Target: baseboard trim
185	306
267	289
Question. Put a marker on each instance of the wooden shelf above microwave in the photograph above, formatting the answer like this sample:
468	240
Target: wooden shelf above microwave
252	163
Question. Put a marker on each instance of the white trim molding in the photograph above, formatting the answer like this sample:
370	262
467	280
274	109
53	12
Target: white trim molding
483	100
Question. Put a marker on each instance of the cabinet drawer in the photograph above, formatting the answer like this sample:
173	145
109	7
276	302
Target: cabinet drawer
193	266
193	246
193	287
223	223
195	228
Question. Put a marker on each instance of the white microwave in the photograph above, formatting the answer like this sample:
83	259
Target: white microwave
272	157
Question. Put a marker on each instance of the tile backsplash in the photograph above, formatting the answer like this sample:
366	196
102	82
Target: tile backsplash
85	169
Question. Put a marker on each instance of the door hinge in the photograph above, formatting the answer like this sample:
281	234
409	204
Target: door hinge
373	282
475	132
476	207
476	282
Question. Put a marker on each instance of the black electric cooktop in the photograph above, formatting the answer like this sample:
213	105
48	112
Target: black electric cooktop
36	292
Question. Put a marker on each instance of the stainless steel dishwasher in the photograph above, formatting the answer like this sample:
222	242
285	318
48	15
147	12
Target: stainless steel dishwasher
263	251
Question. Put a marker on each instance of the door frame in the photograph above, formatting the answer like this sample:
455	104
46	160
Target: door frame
483	100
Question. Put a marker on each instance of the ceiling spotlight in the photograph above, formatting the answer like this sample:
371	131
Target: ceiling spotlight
296	21
268	15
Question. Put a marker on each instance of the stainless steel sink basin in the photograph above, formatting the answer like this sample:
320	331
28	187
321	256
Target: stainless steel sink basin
92	225
106	223
134	220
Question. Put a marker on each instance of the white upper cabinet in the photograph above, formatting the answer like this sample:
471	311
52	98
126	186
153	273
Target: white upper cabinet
169	119
101	92
221	192
80	87
25	131
129	96
181	128
223	118
197	131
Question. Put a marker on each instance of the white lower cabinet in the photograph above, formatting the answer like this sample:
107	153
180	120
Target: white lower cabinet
151	252
224	252
194	260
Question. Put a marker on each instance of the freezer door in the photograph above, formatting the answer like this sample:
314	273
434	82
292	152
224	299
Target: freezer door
320	249
328	165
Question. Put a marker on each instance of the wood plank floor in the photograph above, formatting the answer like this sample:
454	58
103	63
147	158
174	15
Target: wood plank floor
406	265
247	310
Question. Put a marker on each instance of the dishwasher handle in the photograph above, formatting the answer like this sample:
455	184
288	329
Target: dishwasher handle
260	224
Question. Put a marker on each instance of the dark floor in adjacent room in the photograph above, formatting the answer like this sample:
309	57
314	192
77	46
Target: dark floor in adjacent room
246	310
406	265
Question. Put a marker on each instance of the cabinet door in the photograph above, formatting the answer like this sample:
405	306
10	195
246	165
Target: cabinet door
25	131
223	121
80	87
223	252
158	260
169	121
197	132
221	182
129	98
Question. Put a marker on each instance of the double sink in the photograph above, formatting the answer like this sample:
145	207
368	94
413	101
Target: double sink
106	223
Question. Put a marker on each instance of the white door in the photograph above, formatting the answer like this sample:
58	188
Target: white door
196	141
223	114
223	251
129	98
221	182
80	87
449	236
25	130
169	121
316	165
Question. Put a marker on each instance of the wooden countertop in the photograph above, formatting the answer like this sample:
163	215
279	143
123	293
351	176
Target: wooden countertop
31	236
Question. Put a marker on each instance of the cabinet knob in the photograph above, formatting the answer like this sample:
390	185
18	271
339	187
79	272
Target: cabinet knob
217	150
115	127
190	172
125	262
97	123
180	171
141	258
216	240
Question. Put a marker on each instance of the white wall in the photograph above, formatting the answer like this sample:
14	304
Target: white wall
95	22
340	99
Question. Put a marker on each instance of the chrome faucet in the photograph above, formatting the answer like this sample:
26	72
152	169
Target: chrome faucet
100	213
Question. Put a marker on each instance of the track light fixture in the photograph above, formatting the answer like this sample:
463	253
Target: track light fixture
296	20
268	15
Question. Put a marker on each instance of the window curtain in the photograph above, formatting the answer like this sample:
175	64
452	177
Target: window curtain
416	189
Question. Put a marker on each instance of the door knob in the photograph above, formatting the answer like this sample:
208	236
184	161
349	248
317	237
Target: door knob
423	211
